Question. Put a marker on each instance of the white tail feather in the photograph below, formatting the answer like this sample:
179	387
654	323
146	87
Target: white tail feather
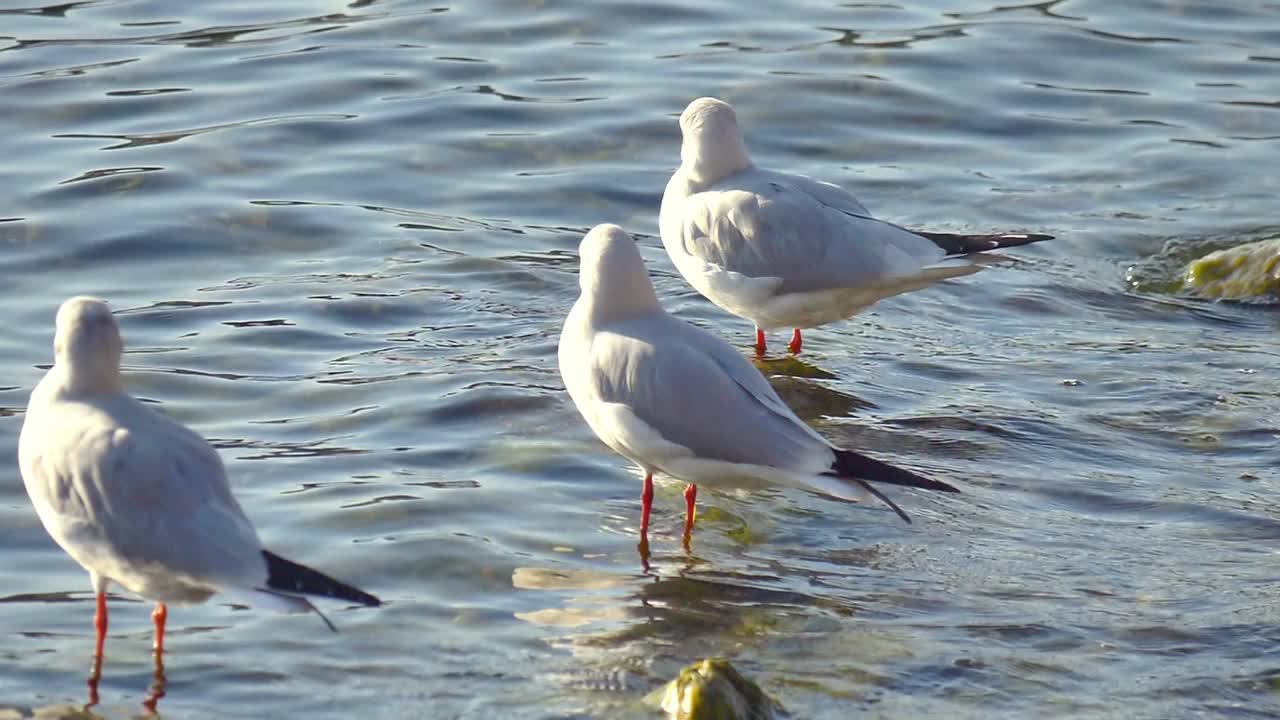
853	489
828	485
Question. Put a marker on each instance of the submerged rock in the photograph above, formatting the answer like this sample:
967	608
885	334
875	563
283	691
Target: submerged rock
1237	273
713	689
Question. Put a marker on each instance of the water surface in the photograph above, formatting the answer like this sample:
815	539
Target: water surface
341	239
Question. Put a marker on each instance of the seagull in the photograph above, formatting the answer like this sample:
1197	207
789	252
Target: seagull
786	250
673	398
138	499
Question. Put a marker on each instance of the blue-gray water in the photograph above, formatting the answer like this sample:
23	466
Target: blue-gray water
341	240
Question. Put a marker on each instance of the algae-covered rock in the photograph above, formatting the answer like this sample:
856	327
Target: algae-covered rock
1236	273
714	690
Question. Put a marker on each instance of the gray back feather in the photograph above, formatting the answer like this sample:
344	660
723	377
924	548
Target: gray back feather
696	391
812	235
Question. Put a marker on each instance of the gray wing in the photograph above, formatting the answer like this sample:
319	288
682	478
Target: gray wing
833	196
673	378
129	488
810	234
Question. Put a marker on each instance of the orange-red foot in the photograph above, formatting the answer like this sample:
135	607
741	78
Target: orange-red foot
760	346
794	345
690	501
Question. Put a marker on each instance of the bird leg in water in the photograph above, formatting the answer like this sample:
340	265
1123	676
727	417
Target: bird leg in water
646	504
690	500
794	345
95	674
760	345
158	617
643	549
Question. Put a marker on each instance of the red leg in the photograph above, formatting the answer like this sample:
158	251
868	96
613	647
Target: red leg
100	624
646	504
690	500
794	345
158	616
760	346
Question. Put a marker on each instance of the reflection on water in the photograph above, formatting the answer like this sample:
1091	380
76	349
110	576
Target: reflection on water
590	611
155	690
625	631
344	242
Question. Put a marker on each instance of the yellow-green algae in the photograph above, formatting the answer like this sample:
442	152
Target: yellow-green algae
1236	273
712	689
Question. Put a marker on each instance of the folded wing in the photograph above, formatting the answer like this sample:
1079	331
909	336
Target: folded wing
764	224
712	405
142	494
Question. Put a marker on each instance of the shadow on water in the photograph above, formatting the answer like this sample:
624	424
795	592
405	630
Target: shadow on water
812	401
791	366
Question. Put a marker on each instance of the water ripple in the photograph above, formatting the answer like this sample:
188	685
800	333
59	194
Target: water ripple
341	243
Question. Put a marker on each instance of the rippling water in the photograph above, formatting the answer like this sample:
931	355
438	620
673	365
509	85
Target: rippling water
341	238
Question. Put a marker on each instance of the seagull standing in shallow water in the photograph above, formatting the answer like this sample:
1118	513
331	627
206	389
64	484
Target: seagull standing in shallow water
138	499
785	250
673	398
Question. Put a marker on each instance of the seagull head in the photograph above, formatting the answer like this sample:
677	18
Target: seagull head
612	274
712	147
87	344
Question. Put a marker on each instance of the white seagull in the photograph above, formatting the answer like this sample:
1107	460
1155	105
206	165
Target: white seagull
786	250
138	499
673	398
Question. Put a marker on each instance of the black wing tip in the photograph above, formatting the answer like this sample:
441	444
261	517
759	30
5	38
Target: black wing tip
286	576
864	470
941	486
371	600
962	244
1016	239
855	466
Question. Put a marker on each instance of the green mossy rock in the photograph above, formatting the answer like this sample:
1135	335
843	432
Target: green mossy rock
1237	273
713	689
